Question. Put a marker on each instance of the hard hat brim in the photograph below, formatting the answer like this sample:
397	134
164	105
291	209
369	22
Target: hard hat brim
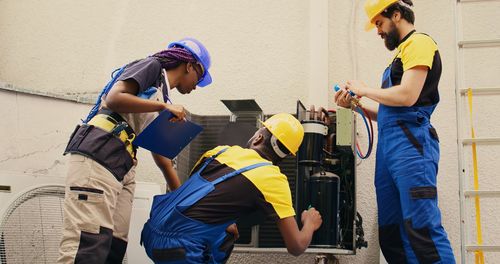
377	10
369	26
206	80
264	124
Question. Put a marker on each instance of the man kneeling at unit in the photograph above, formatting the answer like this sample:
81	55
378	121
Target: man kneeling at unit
196	223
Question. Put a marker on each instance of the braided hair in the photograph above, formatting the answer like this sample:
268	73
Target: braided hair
169	59
173	57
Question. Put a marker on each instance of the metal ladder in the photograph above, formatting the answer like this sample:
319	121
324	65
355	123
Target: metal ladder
469	246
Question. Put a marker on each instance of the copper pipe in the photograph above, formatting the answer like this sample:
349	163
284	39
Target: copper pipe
312	113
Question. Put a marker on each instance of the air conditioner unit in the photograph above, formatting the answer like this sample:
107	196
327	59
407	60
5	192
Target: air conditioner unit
13	184
333	193
32	214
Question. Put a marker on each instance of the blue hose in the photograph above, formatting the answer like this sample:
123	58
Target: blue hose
370	143
336	88
114	76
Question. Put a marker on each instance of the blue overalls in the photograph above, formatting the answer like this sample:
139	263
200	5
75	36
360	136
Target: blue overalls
410	229
171	237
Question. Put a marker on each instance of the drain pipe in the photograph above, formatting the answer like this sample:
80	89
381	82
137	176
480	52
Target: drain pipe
318	53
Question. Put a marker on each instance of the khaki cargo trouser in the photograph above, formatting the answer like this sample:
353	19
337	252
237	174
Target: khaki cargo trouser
97	211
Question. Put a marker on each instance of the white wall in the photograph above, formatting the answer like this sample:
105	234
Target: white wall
265	50
258	48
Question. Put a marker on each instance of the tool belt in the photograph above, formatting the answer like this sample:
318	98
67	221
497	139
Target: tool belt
107	139
113	123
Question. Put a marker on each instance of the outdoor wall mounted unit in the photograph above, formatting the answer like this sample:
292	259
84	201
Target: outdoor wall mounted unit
334	191
31	218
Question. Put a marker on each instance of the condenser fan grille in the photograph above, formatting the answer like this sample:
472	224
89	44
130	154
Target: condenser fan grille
30	230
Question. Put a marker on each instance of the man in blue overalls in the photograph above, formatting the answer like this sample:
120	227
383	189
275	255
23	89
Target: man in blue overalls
191	224
410	229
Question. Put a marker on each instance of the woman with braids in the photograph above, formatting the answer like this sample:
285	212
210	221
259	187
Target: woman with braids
100	181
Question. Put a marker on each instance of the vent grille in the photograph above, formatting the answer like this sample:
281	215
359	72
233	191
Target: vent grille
31	227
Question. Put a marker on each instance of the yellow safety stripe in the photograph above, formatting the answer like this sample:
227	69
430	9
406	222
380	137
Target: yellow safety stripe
101	121
479	255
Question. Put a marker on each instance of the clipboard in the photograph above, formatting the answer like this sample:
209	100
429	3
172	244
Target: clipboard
165	137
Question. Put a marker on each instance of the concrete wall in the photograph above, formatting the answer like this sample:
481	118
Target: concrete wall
273	51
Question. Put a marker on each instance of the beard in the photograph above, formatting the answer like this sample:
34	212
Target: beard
391	39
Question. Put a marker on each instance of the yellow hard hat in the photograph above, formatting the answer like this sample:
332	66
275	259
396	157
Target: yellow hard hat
373	8
287	129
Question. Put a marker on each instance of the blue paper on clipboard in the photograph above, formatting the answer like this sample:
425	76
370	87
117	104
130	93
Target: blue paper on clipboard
165	137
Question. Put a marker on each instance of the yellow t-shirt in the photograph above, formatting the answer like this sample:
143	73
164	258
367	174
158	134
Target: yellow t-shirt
264	189
418	49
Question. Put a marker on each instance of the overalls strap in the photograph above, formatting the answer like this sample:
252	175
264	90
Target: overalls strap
237	172
208	160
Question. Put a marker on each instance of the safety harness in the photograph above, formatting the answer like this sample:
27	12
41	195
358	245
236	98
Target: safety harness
105	136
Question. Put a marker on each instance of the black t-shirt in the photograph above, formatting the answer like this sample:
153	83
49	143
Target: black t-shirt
263	191
418	49
145	72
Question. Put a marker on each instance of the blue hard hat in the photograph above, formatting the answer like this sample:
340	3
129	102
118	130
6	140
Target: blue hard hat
201	55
